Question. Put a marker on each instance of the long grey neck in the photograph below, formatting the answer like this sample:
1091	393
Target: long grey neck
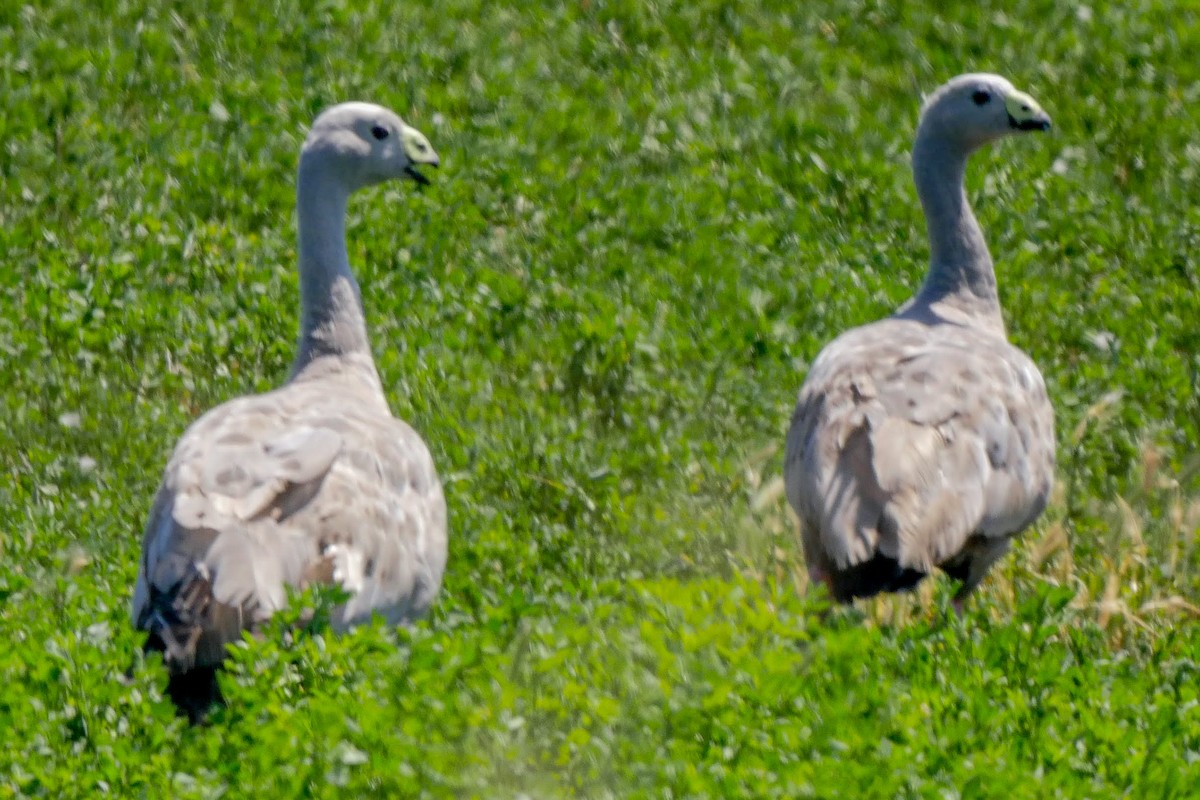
960	267
331	315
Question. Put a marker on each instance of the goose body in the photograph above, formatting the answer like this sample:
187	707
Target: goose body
926	439
314	482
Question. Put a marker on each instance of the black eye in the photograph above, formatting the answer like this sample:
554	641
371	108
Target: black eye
980	97
379	132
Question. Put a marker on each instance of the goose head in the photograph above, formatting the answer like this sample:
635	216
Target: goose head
971	110
367	144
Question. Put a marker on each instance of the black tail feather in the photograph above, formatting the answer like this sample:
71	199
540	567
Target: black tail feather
175	620
195	693
878	574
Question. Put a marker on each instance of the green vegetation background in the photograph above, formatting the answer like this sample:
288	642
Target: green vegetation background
649	219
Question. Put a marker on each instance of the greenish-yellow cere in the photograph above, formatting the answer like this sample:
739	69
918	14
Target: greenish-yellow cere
1021	106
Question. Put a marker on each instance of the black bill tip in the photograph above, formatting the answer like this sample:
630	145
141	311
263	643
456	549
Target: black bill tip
1032	124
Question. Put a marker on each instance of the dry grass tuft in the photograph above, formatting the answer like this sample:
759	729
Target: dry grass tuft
1131	559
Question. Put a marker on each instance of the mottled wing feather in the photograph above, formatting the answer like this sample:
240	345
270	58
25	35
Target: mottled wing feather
310	482
909	439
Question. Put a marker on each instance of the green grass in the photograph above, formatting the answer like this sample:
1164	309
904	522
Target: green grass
649	219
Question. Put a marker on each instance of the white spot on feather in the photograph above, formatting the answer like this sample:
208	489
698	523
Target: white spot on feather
348	566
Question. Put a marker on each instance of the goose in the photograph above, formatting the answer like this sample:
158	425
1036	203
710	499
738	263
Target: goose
926	439
314	482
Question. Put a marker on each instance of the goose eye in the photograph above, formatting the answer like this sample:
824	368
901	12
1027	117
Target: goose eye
980	97
379	132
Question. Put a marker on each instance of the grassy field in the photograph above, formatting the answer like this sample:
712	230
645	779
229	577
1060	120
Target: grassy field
649	219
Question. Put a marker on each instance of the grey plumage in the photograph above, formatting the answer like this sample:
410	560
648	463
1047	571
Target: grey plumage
926	439
314	482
